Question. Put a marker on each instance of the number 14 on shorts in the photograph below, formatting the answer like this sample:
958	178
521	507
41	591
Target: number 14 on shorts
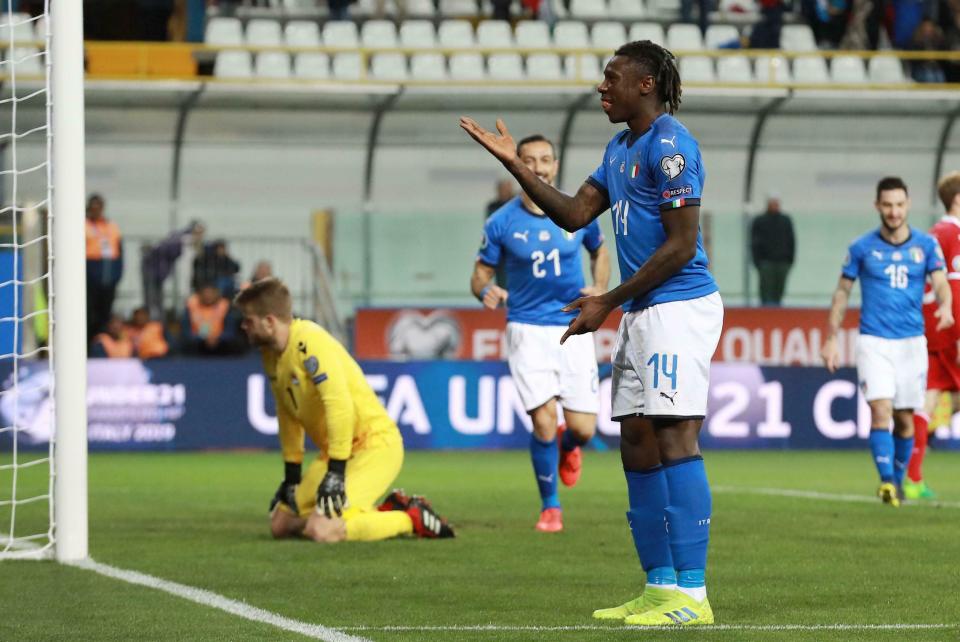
666	365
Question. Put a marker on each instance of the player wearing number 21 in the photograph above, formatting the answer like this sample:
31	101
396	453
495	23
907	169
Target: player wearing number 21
545	272
892	263
651	178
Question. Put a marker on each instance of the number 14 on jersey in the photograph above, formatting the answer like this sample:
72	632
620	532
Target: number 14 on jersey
621	212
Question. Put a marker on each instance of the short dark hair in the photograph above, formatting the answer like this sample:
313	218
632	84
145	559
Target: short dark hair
536	138
659	63
891	182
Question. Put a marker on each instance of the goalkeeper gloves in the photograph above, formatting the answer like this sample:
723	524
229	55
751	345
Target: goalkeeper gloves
287	493
332	494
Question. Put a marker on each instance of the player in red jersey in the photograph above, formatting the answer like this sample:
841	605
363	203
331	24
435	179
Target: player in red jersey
943	372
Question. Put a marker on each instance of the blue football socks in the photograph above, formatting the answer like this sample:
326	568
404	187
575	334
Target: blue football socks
545	461
647	492
688	517
902	449
881	446
570	441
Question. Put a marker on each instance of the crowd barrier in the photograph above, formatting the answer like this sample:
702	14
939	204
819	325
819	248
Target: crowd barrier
196	404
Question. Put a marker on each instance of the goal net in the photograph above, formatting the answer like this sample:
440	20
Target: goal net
32	440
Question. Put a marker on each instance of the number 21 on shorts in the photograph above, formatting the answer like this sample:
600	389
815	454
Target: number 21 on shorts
666	365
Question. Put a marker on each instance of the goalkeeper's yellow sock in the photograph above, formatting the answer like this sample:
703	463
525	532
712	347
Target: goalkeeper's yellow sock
374	526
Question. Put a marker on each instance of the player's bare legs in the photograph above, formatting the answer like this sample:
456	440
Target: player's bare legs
323	529
582	424
544	420
284	524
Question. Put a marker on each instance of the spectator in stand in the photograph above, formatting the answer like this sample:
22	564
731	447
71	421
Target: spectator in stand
501	9
863	26
765	33
828	20
339	9
104	265
907	16
146	335
158	260
208	328
703	13
400	11
949	13
263	271
214	265
114	343
928	37
772	244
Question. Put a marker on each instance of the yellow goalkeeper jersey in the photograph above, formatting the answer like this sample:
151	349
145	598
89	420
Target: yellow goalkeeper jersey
320	391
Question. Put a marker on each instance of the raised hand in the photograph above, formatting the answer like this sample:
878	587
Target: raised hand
502	146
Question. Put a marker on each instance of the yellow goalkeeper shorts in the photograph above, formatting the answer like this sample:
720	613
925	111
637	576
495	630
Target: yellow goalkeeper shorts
369	475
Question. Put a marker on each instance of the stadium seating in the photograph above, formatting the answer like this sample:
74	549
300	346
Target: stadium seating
651	31
418	33
587	65
428	66
28	60
233	64
627	9
848	70
697	69
608	35
720	34
378	34
272	64
311	66
531	34
454	34
544	66
505	66
341	33
797	37
302	33
494	34
262	32
570	34
772	69
421	8
589	9
885	69
466	66
347	66
684	37
23	30
40	28
226	32
458	8
389	66
810	70
734	69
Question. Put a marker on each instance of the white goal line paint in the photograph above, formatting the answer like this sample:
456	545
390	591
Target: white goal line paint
613	626
217	601
834	497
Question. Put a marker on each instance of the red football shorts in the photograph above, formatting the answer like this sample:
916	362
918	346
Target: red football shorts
943	372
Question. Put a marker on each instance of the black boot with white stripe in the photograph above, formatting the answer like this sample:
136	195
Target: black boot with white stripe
426	521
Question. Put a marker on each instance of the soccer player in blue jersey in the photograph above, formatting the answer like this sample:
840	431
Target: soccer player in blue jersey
892	263
545	271
651	178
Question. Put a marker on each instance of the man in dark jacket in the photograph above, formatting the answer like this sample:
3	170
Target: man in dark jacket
773	245
158	260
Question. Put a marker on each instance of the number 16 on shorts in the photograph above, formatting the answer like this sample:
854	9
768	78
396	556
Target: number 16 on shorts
664	365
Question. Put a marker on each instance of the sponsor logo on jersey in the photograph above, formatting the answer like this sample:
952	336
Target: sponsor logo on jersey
916	254
669	141
311	365
544	235
302	347
896	256
677	191
876	254
673	166
521	235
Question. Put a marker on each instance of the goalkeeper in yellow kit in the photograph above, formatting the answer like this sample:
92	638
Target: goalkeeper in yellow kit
320	391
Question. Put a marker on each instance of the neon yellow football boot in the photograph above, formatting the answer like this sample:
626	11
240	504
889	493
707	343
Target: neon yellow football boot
917	490
680	610
888	494
650	599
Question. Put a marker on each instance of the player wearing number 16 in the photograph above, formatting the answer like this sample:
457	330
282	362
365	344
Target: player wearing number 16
892	263
651	178
545	272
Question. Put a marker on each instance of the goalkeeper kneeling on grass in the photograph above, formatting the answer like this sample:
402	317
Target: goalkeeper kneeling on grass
320	391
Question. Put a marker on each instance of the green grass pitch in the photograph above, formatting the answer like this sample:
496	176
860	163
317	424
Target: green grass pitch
201	520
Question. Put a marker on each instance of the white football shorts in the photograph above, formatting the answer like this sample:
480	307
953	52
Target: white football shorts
893	369
661	361
543	369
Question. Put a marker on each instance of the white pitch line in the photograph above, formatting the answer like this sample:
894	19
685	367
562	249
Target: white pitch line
614	627
835	497
217	601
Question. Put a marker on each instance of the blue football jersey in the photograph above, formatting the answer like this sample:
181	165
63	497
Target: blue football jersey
543	262
891	281
643	176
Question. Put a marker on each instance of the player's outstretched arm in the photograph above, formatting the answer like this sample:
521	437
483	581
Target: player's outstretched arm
941	290
483	287
681	226
838	308
569	212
